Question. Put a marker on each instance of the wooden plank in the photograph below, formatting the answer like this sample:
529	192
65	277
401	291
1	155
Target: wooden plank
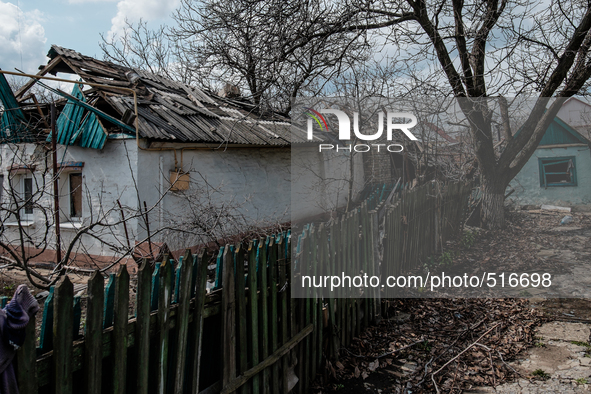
182	323
313	339
283	301
321	258
332	324
200	293
77	317
264	310
177	281
46	341
219	269
229	319
109	302
254	311
273	312
121	315
62	336
164	301
375	262
155	287
241	324
269	361
45	364
26	357
93	355
143	326
54	62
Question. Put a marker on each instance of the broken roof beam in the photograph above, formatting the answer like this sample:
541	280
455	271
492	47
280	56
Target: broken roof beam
54	62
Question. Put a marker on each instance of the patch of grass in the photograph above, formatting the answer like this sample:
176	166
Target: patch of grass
541	374
425	345
340	386
579	343
468	239
581	381
539	344
446	259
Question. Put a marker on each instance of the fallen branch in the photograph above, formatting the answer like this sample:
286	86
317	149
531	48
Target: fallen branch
466	349
400	349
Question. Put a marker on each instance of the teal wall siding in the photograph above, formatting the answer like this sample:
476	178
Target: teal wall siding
559	133
527	182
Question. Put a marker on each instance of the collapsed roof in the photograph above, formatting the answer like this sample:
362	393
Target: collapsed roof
168	111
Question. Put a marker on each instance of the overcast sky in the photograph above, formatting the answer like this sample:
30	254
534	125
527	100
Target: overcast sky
28	28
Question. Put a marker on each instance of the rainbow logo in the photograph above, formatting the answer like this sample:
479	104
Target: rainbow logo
316	115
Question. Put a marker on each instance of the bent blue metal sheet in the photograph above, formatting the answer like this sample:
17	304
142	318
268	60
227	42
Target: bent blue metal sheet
77	126
13	125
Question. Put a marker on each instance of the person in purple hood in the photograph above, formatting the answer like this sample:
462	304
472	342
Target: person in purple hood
13	321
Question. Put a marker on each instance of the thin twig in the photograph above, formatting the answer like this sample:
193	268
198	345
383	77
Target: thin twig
400	349
466	349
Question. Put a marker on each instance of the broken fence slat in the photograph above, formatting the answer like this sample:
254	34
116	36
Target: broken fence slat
268	362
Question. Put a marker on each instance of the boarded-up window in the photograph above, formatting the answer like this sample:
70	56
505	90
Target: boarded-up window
76	195
558	171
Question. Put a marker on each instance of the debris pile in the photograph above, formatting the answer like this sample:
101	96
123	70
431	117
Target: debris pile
431	345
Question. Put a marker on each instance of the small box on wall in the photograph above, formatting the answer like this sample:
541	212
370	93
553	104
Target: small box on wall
179	180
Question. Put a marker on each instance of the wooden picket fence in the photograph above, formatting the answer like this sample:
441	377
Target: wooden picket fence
247	334
418	222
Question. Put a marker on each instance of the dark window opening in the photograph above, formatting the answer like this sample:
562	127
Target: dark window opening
75	195
558	171
28	195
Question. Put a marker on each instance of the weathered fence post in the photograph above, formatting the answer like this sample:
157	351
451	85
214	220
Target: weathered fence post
182	320
120	330
93	337
229	319
164	300
200	293
26	361
144	276
62	336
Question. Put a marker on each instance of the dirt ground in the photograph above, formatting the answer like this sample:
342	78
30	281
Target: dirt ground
535	343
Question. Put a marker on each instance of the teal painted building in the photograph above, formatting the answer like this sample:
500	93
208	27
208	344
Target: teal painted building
559	171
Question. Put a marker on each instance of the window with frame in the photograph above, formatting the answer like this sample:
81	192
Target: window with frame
558	171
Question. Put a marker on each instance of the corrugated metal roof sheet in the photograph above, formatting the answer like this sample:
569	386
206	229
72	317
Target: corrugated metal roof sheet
171	111
78	126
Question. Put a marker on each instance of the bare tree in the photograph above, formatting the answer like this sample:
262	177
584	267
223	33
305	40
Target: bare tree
272	49
478	50
28	218
474	51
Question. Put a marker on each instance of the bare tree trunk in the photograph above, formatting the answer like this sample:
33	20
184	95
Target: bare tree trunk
493	204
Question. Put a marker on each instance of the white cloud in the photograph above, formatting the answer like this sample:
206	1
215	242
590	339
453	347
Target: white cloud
134	10
21	37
